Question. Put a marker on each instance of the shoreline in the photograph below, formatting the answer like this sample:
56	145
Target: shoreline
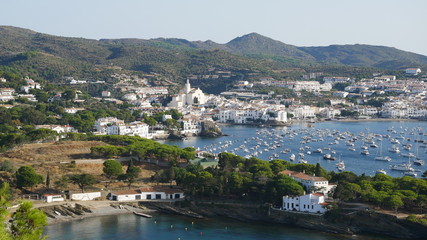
98	208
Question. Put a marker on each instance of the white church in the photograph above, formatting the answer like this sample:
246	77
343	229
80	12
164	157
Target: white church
188	96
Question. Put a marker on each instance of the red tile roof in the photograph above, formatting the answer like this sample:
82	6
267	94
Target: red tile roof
302	176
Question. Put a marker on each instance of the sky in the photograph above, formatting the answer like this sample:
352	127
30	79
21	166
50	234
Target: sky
394	23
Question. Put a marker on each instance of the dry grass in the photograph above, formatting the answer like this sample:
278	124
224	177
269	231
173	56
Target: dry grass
58	158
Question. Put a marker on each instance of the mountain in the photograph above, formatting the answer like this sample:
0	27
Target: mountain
52	57
257	46
366	55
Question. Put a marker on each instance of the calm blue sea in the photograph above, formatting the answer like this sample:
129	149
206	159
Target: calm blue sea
163	226
292	138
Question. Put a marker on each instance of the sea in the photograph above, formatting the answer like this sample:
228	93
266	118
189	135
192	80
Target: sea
331	136
165	226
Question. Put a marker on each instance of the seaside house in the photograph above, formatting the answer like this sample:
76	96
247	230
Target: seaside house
52	198
311	183
147	193
312	203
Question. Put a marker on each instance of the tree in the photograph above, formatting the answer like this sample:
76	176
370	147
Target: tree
28	223
82	180
26	176
112	169
394	201
69	94
48	180
131	174
25	224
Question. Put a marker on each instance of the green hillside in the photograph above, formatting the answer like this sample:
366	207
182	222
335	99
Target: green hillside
248	57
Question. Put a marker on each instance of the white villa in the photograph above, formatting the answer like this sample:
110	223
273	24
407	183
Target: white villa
147	193
310	183
188	96
191	125
136	128
243	116
58	128
313	203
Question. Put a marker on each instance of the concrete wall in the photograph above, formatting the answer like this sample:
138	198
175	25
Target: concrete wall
85	196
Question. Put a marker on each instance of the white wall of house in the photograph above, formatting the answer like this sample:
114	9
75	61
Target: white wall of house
305	203
85	196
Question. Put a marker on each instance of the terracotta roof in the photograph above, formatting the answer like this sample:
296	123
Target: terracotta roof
302	176
318	194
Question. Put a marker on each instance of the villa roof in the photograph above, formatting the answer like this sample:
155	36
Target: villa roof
302	176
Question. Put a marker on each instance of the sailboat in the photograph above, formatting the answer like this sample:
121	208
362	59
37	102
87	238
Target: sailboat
381	157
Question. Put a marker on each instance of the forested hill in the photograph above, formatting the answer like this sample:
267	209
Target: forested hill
52	57
256	45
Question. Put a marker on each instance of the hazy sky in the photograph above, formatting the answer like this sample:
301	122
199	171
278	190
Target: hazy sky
394	23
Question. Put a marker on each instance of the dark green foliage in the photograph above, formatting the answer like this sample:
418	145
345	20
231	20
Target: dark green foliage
112	169
132	173
26	176
382	190
82	180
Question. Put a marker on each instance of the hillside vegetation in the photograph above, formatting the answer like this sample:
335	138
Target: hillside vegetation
52	57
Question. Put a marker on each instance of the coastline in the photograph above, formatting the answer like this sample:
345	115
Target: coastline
98	209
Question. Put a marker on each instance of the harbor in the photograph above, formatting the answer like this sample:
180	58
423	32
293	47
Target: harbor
396	148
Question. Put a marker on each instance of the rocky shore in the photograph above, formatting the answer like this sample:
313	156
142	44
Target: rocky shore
356	222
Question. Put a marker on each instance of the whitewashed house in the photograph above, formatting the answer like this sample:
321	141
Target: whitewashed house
136	128
310	183
102	123
58	128
6	94
52	198
147	193
312	203
412	71
191	125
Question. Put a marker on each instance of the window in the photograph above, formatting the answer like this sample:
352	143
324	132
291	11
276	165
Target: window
137	197
148	196
158	196
177	195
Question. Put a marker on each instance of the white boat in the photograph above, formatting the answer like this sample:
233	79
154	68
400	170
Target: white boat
408	155
418	162
319	150
394	149
383	158
381	171
365	152
410	173
303	161
352	149
402	167
292	157
340	166
328	157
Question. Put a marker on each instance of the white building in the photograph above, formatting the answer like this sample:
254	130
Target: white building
101	124
310	183
250	115
58	128
188	96
313	203
73	110
303	112
106	94
412	71
52	198
147	193
191	125
30	84
136	128
6	94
